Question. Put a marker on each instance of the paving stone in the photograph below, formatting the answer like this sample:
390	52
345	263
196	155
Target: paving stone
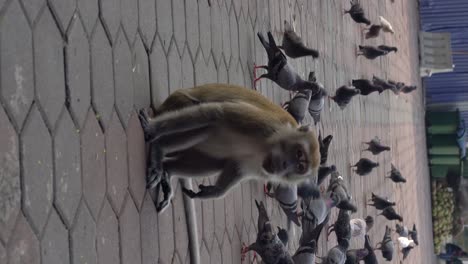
83	238
37	170
32	8
116	161
226	251
244	47
219	218
108	236
89	13
164	22
103	81
234	37
49	67
141	78
166	236
130	18
204	15
130	233
247	200
226	34
175	68
136	160
23	246
204	254
201	69
236	7
54	244
178	20
187	69
67	168
222	71
215	253
180	233
253	10
208	222
3	254
10	189
235	248
159	74
216	32
149	231
192	25
236	76
93	164
78	72
229	205
16	63
110	12
64	10
123	69
147	20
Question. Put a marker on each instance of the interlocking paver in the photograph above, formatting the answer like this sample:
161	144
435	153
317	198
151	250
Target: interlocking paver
208	222
129	9
33	8
175	68
103	81
49	67
178	20
10	189
129	222
136	160
23	246
204	14
159	74
93	162
227	251
141	78
219	218
64	10
216	32
108	236
149	231
164	22
180	233
110	13
3	254
123	69
187	69
78	71
54	244
225	33
16	63
147	21
83	237
37	170
67	168
204	254
191	25
166	236
234	38
89	13
116	162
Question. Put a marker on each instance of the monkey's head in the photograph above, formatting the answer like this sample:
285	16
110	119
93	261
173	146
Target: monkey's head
294	155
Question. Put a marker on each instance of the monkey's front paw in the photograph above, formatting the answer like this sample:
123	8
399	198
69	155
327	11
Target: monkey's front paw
189	193
153	177
143	116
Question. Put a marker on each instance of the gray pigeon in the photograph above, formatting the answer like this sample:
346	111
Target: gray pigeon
384	84
370	258
380	203
339	192
373	31
386	246
297	106
337	254
405	251
375	146
293	45
317	101
387	48
366	87
354	256
357	13
408	88
414	234
315	211
395	175
343	96
364	166
324	146
323	173
268	245
342	226
371	52
286	195
391	214
305	254
402	230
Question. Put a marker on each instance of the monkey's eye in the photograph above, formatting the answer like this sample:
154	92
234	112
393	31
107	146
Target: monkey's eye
299	154
301	168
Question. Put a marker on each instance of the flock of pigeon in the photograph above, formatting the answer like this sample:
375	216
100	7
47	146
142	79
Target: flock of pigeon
316	202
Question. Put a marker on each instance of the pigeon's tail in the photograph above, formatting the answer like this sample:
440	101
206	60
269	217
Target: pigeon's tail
361	47
271	40
265	44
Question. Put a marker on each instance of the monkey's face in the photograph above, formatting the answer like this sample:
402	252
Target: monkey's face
294	157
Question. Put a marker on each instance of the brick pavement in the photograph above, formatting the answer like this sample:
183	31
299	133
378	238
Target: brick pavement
73	73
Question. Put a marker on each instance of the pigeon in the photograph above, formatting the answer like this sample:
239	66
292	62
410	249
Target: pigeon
293	45
286	195
317	101
402	231
384	84
315	211
387	48
391	214
398	86
323	173
359	226
386	246
357	13
395	175
341	227
305	254
414	234
337	254
375	146
354	256
366	87
370	258
343	96
386	26
408	89
268	245
405	242
405	251
324	145
380	203
364	166
371	52
283	235
298	105
339	192
373	31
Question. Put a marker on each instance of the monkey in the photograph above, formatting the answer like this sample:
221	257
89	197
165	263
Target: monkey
229	131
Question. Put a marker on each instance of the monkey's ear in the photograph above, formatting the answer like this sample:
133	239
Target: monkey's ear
304	128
